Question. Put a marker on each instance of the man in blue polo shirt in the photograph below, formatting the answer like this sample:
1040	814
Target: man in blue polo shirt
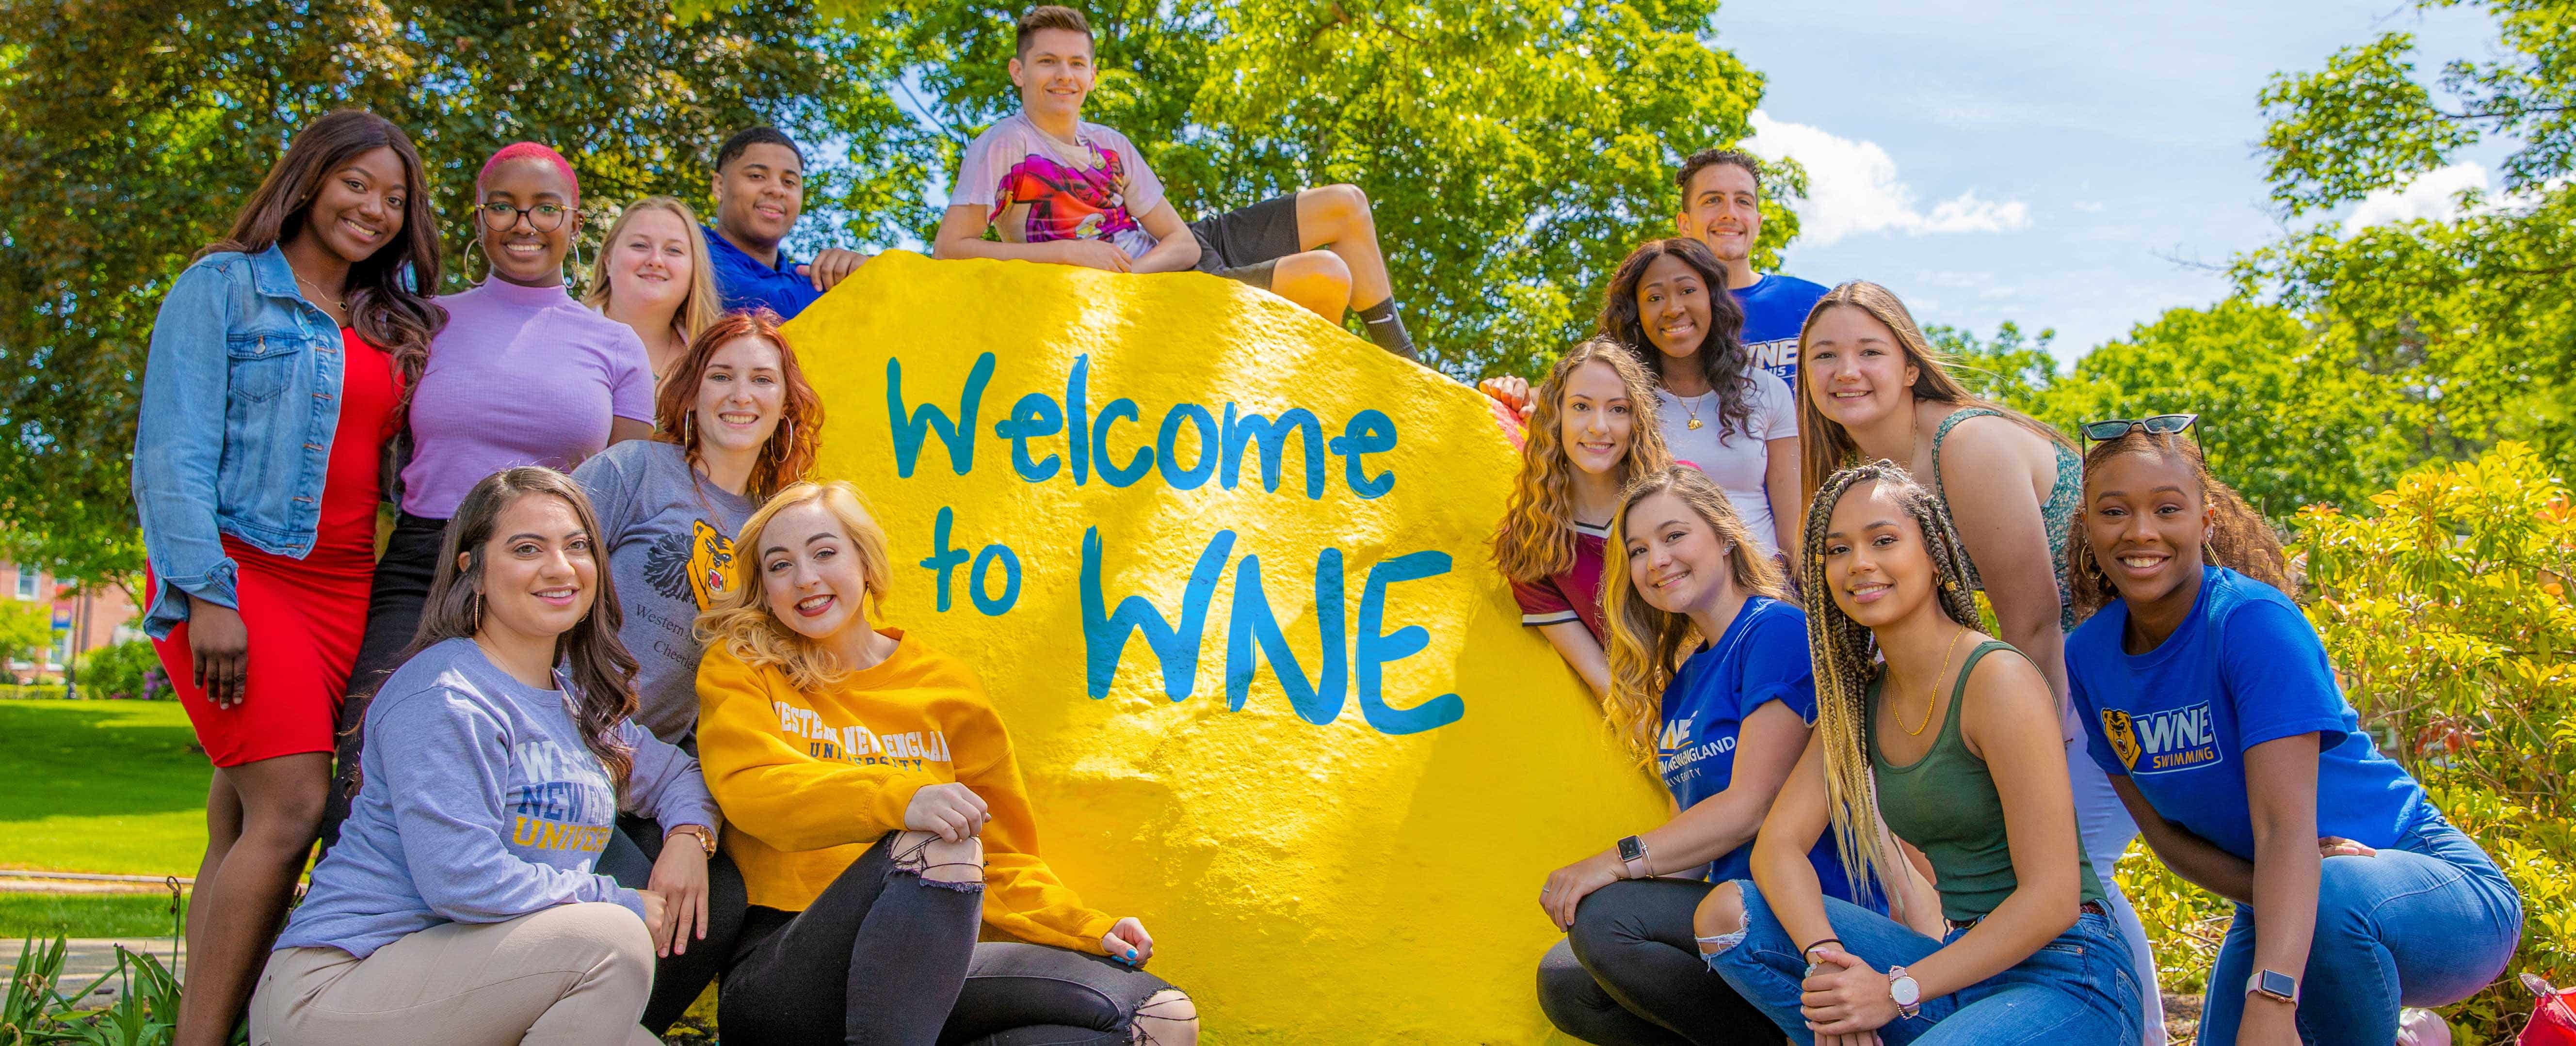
1722	207
760	189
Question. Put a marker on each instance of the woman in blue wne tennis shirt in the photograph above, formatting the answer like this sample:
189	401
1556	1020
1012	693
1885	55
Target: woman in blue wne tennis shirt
2210	702
1710	678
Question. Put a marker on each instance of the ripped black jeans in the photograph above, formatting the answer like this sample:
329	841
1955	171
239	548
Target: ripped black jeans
884	956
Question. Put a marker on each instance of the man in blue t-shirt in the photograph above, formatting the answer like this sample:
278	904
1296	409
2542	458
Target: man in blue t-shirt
1722	207
759	190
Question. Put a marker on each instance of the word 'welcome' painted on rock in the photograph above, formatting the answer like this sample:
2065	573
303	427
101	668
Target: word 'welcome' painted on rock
1062	439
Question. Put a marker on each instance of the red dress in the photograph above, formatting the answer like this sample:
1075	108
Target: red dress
305	616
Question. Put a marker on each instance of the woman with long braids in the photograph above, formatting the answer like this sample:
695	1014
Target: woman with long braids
1921	727
1711	687
521	375
270	390
1876	389
1593	430
1719	411
461	904
653	276
2210	701
736	423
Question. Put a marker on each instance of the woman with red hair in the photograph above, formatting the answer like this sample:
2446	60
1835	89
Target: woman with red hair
737	423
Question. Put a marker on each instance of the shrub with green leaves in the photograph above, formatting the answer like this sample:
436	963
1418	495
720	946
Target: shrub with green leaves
124	670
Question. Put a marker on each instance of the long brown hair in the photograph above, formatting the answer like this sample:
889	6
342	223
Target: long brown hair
388	293
1647	644
2240	539
1723	359
1537	536
1823	443
1846	652
792	446
741	621
602	671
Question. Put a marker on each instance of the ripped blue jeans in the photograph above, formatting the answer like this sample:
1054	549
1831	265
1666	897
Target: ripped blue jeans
2077	990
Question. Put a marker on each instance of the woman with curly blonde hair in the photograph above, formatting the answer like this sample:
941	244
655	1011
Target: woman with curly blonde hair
881	820
1710	684
1592	430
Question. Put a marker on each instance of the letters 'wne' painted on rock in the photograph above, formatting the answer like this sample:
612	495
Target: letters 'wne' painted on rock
1225	569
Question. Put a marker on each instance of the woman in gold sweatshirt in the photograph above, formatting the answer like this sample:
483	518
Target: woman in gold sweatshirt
878	816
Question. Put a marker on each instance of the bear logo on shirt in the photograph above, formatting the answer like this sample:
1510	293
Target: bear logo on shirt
698	565
2163	741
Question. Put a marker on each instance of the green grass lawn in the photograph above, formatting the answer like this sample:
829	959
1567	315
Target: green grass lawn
43	915
101	786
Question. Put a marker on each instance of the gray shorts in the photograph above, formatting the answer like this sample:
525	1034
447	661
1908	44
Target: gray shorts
1246	244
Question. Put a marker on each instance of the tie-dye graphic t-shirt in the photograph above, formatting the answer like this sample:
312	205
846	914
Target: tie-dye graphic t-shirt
1041	189
479	804
668	535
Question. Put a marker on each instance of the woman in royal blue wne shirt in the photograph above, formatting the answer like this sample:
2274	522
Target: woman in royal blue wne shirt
2210	702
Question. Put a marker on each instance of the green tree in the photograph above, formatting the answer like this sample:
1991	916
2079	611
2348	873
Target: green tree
2013	368
130	132
2469	318
26	629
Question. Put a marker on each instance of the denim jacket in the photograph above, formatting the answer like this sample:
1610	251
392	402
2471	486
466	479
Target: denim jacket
240	401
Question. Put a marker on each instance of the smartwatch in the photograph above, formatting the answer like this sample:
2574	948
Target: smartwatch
1901	987
2274	983
1632	853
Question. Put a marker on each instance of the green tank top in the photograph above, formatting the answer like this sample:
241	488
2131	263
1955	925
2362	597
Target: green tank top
1945	804
2057	514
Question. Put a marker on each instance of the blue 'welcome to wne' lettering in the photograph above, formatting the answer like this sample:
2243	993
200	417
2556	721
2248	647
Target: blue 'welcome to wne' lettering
1253	632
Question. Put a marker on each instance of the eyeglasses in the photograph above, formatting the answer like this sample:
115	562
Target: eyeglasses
544	217
2158	424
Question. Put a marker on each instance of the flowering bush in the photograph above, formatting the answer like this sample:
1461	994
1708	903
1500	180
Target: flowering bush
2447	615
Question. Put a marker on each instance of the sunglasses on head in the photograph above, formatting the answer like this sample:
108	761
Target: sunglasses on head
2158	424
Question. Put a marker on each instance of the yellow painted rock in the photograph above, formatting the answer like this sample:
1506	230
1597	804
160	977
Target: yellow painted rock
1135	503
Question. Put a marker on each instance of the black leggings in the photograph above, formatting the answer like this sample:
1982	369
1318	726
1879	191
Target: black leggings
887	956
394	603
1629	974
678	978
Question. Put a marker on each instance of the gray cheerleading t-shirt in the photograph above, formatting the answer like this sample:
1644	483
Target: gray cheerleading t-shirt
669	538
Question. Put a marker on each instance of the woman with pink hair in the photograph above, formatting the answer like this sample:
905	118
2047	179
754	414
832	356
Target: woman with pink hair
522	374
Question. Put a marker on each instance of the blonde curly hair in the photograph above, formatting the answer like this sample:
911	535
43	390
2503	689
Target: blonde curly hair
741	620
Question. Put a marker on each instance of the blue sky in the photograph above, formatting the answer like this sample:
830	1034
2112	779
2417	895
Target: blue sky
1993	161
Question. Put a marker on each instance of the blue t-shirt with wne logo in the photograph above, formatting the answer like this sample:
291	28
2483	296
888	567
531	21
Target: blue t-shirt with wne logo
2243	669
1762	658
1775	310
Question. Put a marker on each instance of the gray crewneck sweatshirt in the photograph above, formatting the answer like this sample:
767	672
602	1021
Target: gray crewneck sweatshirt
480	804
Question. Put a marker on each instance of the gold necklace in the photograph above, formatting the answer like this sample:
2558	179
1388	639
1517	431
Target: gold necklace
341	304
1932	694
1691	404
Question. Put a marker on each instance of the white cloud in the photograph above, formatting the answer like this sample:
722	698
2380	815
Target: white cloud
2089	206
2433	194
1852	188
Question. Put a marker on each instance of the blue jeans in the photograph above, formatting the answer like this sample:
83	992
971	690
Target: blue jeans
2427	922
2077	990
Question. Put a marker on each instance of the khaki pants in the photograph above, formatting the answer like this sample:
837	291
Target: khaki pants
572	975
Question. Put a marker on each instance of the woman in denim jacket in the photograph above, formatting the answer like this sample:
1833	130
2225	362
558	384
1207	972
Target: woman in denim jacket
275	379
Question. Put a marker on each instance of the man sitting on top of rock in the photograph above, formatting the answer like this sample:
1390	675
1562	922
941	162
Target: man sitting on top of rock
1074	193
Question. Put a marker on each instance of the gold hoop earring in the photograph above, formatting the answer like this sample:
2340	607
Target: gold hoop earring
478	612
688	426
465	265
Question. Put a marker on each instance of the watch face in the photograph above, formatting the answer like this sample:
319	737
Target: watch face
1630	849
1906	992
2274	982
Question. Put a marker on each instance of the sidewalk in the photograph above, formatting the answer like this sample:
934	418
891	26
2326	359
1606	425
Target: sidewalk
85	958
